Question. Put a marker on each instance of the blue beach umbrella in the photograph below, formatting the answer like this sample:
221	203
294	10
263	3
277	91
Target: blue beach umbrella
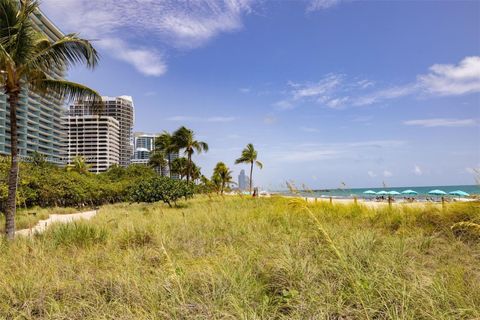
382	193
370	192
409	192
437	192
459	193
394	193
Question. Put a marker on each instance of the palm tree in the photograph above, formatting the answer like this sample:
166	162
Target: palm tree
157	161
185	139
222	176
179	166
166	144
27	58
79	164
249	155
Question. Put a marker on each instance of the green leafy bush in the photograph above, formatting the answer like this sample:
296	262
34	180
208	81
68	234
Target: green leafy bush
162	189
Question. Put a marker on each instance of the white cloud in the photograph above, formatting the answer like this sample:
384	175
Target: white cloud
244	90
448	79
321	88
387	173
179	24
147	61
337	91
315	5
198	119
371	174
385	94
441	122
417	170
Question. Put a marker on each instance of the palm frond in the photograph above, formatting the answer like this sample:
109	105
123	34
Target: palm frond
259	164
67	90
66	52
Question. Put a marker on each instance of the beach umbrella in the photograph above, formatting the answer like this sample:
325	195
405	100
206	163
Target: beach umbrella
381	193
459	193
394	193
409	192
370	192
437	192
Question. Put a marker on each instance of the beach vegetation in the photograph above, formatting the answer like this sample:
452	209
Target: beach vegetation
235	257
27	58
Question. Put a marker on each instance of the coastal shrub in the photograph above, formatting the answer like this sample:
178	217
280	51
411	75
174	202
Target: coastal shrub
77	234
162	189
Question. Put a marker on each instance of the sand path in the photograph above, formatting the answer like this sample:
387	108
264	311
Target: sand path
55	218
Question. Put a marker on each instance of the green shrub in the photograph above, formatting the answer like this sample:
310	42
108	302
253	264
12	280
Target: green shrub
162	189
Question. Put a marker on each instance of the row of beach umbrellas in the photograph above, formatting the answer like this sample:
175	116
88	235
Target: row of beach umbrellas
435	192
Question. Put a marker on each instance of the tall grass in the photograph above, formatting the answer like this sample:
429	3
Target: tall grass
243	258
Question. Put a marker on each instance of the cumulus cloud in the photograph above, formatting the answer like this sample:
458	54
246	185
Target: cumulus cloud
449	79
441	122
371	174
387	173
119	23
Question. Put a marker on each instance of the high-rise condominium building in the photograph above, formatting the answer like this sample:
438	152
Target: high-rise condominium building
96	138
143	146
38	117
120	108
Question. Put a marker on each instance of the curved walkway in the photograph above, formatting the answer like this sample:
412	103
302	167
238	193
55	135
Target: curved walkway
58	218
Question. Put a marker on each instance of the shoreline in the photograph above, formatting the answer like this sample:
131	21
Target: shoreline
371	203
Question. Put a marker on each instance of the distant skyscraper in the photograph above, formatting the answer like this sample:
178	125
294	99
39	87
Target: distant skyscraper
120	108
243	181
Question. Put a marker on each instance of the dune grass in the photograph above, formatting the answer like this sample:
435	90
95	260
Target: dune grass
242	258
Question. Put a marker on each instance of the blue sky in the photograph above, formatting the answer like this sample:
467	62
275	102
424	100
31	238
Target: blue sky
329	91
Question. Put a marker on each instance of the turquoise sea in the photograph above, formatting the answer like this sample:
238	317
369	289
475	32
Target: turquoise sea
359	192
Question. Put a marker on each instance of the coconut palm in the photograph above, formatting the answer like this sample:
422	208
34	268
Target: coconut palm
185	139
249	155
27	58
179	166
222	176
157	161
165	143
79	164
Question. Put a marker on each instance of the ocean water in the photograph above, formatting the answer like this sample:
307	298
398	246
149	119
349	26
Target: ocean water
359	192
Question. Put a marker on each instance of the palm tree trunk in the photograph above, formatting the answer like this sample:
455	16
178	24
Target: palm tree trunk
169	166
188	167
13	97
251	173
